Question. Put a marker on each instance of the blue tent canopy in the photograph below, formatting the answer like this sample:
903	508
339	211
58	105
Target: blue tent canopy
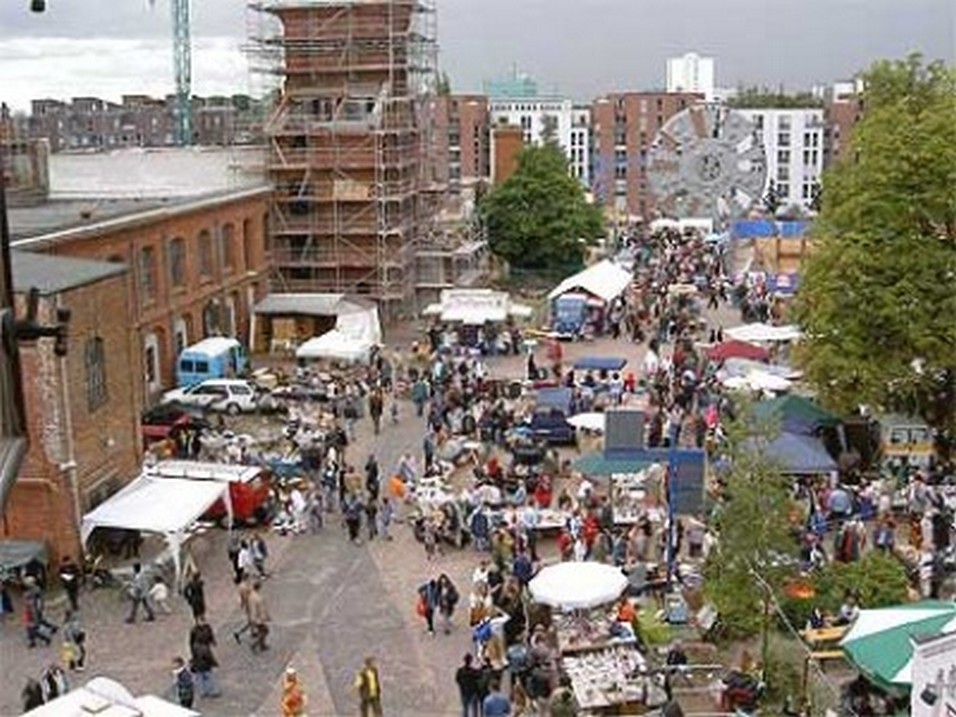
600	363
797	454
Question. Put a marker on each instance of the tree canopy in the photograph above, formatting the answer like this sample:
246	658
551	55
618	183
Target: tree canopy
755	548
539	216
878	298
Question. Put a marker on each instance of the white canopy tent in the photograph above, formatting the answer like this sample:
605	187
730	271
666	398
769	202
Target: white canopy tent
357	331
108	698
577	585
476	307
167	506
605	280
760	333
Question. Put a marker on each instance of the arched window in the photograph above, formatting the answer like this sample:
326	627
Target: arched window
177	262
206	254
227	240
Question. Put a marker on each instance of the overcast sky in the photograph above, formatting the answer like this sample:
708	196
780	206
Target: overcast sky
579	47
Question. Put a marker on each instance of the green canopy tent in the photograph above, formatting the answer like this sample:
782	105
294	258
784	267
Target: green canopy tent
797	414
879	644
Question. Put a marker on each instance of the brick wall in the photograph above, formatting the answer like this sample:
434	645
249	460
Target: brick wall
158	312
102	443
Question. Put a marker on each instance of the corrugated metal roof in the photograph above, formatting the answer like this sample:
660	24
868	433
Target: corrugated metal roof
55	274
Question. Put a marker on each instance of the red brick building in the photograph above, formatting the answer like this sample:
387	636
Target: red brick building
624	126
82	409
197	264
460	140
842	111
507	141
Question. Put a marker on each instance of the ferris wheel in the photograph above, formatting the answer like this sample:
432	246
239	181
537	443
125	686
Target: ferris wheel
707	161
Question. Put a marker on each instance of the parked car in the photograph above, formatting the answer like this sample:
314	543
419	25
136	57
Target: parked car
163	421
230	395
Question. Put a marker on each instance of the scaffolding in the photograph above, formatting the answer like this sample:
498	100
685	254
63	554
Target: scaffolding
347	142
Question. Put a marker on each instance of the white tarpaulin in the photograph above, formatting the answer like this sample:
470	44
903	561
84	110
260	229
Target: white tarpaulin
763	332
168	506
356	332
606	280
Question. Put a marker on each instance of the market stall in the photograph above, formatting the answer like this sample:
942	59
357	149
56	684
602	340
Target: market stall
106	697
356	333
165	506
580	302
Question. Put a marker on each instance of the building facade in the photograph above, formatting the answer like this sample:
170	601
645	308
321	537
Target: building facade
555	118
460	153
82	408
843	109
691	73
197	265
624	126
794	143
85	123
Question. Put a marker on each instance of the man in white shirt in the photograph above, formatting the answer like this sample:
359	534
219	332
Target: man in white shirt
246	559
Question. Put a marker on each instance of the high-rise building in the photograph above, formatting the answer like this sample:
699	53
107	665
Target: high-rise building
348	141
460	153
794	143
691	73
624	127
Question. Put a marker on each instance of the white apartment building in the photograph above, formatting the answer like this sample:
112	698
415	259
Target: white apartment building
793	139
535	115
691	73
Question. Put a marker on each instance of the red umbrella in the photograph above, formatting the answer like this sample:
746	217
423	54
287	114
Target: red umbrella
737	349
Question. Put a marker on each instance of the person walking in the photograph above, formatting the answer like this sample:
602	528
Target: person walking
246	560
183	687
34	619
376	404
467	677
31	695
386	514
139	595
235	545
447	600
195	595
260	551
371	518
244	591
429	595
293	696
496	704
202	660
74	643
70	575
258	618
353	510
373	484
369	689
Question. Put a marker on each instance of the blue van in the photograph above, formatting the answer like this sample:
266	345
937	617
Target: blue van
215	357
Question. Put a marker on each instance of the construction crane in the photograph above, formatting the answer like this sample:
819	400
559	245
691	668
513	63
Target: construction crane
182	72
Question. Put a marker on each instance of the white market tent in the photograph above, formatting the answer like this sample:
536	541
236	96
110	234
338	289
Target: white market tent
760	333
357	331
476	307
108	698
577	585
605	280
167	506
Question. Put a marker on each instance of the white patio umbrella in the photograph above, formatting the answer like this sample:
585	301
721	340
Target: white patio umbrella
766	381
577	585
588	421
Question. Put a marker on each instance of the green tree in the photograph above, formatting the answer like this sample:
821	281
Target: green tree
878	298
539	218
756	550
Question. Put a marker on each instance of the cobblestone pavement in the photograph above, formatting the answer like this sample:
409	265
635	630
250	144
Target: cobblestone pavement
332	603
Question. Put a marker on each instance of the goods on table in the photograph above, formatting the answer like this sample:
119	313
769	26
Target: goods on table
606	677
